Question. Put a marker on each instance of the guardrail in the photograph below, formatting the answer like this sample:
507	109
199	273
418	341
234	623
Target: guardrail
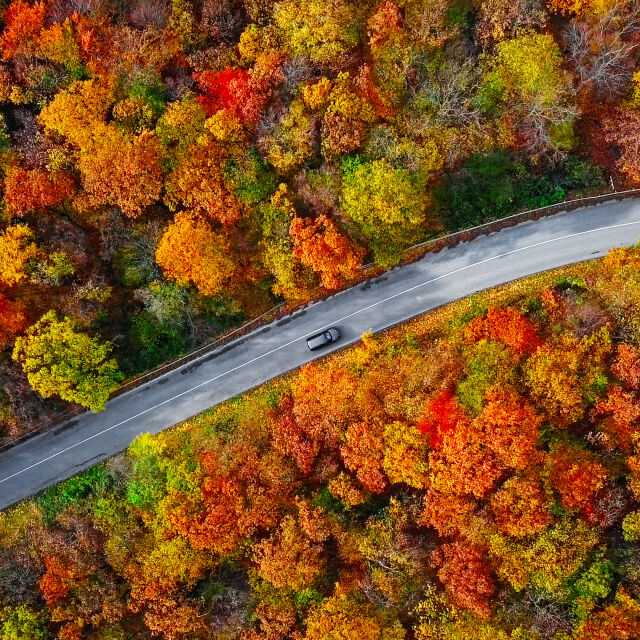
365	272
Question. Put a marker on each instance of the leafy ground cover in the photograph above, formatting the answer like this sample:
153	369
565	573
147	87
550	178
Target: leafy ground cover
473	473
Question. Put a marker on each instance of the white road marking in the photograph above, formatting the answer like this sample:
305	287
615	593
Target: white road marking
268	353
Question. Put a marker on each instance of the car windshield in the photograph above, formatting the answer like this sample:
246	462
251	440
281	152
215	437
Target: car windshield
327	335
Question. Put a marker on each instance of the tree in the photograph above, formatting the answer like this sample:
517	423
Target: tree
316	29
544	561
189	251
626	365
506	325
22	24
386	203
552	376
28	190
292	142
318	244
520	508
346	118
576	475
198	183
441	415
465	573
464	465
363	453
621	129
222	89
510	427
290	439
59	360
58	43
288	559
618	621
209	522
526	74
384	23
405	455
602	47
12	319
22	623
180	126
503	18
431	22
17	249
621	413
324	402
447	514
345	617
122	171
79	112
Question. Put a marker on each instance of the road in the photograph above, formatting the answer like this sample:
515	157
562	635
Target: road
396	296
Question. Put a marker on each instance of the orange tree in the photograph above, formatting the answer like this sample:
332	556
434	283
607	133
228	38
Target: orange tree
191	252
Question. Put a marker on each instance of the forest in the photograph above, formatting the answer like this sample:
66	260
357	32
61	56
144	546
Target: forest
472	474
172	168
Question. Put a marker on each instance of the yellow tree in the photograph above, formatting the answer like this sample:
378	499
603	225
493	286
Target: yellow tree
316	28
16	248
191	252
78	113
345	617
60	360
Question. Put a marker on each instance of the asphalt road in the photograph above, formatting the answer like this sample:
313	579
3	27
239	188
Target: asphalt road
398	295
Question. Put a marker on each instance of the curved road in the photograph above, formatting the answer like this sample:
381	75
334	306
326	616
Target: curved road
398	295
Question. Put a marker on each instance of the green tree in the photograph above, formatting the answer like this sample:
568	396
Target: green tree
59	360
22	623
386	203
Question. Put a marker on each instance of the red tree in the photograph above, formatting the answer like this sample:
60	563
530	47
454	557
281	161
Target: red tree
441	414
576	476
242	93
466	576
626	365
35	189
510	426
12	320
22	23
290	439
620	414
506	325
211	523
221	88
363	453
464	465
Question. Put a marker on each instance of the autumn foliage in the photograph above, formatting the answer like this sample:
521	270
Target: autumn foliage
508	326
318	244
23	21
190	251
33	190
173	169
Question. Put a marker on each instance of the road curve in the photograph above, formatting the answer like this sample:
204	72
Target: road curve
394	297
